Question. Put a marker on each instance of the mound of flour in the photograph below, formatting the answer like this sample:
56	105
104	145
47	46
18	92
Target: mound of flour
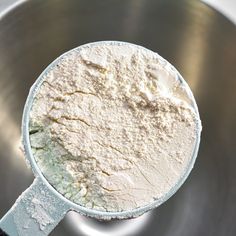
112	127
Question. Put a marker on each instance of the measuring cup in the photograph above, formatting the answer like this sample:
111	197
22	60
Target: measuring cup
41	207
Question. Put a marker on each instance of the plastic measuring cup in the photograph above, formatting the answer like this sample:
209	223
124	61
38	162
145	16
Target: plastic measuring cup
41	207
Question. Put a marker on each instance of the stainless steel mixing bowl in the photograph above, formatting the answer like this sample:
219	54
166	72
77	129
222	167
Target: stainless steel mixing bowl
199	41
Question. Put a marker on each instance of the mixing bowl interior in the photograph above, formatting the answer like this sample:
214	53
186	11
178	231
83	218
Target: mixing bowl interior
195	38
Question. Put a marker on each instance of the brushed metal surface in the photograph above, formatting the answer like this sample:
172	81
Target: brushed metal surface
199	41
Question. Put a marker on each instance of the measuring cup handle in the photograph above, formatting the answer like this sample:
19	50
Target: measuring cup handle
35	213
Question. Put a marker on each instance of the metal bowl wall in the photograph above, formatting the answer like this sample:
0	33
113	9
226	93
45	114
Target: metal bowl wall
199	41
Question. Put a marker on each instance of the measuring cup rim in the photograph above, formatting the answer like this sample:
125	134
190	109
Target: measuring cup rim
81	209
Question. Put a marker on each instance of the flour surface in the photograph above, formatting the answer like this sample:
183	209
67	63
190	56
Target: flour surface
113	127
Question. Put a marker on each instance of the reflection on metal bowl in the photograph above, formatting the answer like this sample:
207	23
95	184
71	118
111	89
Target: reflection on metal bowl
195	38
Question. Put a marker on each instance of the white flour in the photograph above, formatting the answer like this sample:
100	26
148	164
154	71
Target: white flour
112	127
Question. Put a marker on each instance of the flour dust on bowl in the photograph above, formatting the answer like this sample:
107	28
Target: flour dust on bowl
111	130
